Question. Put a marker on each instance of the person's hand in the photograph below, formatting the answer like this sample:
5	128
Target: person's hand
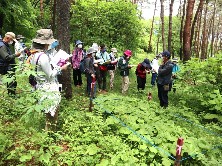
18	54
95	65
147	71
64	67
93	75
129	66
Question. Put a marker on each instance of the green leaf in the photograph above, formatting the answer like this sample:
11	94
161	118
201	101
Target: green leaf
45	157
153	149
25	158
166	161
92	149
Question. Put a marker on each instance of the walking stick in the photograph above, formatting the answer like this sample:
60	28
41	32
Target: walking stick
91	94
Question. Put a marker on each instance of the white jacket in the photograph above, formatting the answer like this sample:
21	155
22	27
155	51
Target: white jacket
155	65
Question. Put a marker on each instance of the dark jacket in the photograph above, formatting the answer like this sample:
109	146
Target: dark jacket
7	59
89	66
123	66
165	73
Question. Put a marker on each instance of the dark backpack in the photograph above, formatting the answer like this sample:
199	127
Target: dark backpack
82	66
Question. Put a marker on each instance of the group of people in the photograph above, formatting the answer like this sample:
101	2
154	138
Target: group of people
94	63
97	63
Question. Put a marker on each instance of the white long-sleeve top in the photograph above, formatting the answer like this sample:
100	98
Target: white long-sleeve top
45	71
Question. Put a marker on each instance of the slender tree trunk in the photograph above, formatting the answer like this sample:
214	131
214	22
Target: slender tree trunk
199	10
170	26
151	30
63	34
213	32
54	16
187	29
41	9
162	19
181	30
196	36
198	41
157	45
204	34
179	9
217	35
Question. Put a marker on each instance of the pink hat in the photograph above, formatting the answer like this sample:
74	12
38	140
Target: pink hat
128	53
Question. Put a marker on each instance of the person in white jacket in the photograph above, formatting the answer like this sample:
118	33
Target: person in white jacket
20	47
155	67
46	78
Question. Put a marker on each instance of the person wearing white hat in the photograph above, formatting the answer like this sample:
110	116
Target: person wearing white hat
7	60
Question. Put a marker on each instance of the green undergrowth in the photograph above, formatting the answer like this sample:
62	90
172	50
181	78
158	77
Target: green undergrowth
121	129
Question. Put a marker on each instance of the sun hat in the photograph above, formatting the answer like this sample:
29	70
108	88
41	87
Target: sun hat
146	63
11	35
19	37
95	46
44	36
128	53
113	49
90	51
78	42
166	54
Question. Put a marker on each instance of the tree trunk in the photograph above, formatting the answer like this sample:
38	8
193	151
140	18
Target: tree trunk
187	29
41	9
170	26
217	35
162	19
151	30
54	16
204	35
181	30
63	35
213	32
199	10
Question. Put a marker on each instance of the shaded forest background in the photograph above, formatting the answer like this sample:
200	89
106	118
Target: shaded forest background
194	32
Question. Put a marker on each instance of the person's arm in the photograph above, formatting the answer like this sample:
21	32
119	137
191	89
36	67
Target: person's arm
5	55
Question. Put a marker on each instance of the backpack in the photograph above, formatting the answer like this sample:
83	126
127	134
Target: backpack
82	66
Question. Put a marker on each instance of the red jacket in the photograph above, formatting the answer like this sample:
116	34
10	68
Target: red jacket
140	71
